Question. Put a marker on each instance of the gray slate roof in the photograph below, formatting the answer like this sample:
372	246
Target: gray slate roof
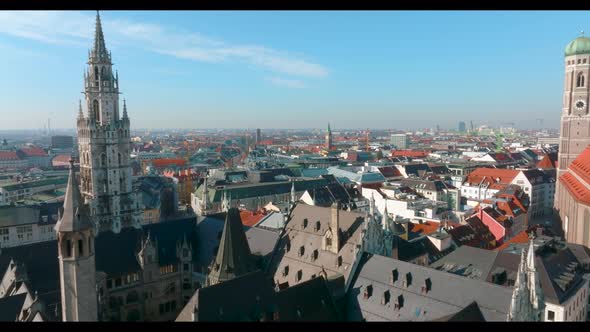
448	294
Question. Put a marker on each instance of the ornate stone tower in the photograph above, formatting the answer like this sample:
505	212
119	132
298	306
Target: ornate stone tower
75	236
104	139
329	139
575	117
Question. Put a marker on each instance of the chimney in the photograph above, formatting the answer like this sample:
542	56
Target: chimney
335	226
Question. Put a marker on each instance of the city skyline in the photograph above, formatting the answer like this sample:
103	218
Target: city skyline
286	70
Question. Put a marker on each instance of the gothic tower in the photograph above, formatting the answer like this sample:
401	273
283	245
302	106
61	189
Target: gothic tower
104	139
329	139
75	236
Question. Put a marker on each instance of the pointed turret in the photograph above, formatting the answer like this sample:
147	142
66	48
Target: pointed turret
293	194
233	257
385	219
99	50
125	116
74	217
372	206
536	293
80	113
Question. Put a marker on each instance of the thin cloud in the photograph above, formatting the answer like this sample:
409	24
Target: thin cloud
290	83
77	29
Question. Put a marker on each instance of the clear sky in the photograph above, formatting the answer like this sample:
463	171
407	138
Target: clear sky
298	69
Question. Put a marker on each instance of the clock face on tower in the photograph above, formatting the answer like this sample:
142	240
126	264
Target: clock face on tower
580	104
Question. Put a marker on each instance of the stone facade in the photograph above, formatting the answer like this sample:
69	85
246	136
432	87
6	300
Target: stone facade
104	145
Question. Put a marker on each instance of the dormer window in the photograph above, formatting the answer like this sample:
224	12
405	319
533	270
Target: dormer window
315	255
427	286
368	291
394	276
408	279
400	302
386	297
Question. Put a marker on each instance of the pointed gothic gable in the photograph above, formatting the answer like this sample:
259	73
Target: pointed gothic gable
233	256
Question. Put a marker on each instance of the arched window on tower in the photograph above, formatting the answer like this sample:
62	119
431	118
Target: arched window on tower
119	159
96	73
103	160
580	80
103	73
95	110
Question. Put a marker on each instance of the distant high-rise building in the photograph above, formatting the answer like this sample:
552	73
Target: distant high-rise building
462	127
258	136
62	142
103	137
329	138
399	141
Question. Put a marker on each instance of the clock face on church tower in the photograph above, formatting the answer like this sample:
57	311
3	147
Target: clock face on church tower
580	105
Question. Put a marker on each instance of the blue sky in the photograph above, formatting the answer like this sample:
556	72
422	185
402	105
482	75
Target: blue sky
298	69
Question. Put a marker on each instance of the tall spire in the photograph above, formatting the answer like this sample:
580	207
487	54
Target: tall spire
99	51
74	217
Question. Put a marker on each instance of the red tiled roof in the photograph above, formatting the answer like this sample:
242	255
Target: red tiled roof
426	228
498	177
409	153
250	218
389	171
549	161
522	237
168	162
581	165
8	155
575	188
33	152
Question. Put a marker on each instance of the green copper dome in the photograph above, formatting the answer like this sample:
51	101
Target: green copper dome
580	45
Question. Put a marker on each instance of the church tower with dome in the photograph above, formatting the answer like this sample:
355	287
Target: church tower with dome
573	177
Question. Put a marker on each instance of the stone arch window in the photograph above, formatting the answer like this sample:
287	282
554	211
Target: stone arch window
95	110
580	80
119	158
103	73
96	73
103	160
